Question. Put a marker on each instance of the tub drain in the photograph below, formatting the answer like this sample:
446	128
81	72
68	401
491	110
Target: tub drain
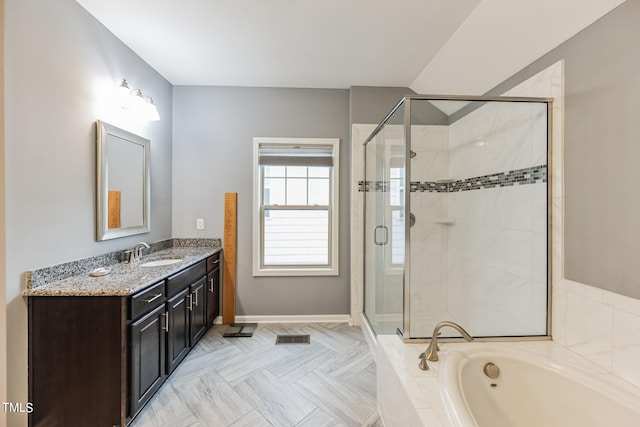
491	370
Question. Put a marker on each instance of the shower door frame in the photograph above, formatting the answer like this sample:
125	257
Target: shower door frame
373	134
405	334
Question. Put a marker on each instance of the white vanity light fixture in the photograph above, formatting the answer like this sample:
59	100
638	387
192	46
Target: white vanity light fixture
152	111
135	101
123	94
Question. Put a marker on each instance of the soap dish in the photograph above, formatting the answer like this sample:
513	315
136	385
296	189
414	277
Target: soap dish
99	272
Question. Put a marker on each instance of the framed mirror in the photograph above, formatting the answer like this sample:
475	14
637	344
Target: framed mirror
123	178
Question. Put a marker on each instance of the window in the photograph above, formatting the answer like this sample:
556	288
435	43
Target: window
395	257
295	215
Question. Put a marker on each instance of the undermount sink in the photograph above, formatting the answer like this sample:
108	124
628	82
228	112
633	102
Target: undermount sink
159	262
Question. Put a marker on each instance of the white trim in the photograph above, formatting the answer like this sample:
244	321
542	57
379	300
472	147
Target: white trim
333	270
310	271
295	318
255	214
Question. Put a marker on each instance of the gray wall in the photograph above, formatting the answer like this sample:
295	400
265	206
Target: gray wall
60	69
213	153
602	149
370	105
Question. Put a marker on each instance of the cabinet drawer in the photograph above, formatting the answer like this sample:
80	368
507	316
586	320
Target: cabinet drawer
213	261
179	281
147	300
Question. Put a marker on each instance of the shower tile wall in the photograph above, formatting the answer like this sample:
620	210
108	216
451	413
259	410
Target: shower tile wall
487	268
498	246
429	239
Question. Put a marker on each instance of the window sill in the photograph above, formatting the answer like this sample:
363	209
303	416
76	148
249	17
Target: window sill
274	272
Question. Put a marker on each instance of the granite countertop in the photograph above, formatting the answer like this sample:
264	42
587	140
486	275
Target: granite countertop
125	279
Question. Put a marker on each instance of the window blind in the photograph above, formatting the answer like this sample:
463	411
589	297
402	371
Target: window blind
294	155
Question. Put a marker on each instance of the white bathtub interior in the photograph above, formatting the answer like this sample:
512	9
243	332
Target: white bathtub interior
530	390
564	386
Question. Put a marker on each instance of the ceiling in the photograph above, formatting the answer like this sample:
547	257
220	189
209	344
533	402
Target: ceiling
432	46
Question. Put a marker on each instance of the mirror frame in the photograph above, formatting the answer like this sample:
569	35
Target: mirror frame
103	131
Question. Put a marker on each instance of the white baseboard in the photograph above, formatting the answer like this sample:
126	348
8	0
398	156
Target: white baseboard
298	318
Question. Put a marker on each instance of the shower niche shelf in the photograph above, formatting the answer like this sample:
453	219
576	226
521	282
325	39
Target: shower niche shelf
447	180
445	221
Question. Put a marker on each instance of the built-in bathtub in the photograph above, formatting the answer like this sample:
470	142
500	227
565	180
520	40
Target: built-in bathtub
540	384
528	391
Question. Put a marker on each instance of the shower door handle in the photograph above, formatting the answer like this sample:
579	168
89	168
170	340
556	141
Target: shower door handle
380	235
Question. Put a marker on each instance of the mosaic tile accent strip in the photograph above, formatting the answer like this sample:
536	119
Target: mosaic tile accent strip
431	187
524	176
43	276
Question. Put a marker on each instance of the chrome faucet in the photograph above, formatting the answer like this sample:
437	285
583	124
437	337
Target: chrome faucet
136	253
431	353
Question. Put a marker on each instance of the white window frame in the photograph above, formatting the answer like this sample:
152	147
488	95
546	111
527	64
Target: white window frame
391	267
332	268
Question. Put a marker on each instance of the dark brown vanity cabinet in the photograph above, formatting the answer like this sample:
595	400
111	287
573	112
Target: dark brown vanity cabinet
178	330
148	319
147	344
179	322
148	354
213	287
78	361
97	360
198	310
186	310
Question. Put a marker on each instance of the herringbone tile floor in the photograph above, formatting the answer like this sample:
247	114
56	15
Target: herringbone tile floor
252	382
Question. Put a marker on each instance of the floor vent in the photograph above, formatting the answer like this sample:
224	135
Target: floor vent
293	339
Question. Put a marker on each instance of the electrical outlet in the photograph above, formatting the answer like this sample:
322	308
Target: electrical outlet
200	224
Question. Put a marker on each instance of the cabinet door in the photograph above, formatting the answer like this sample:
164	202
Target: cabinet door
148	370
178	333
213	295
198	306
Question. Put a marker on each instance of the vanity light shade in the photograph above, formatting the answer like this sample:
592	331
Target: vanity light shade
123	94
152	111
144	106
138	103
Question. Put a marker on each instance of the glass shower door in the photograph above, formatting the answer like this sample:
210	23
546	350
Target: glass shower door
384	219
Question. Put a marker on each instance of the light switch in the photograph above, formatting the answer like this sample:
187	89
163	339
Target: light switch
200	224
